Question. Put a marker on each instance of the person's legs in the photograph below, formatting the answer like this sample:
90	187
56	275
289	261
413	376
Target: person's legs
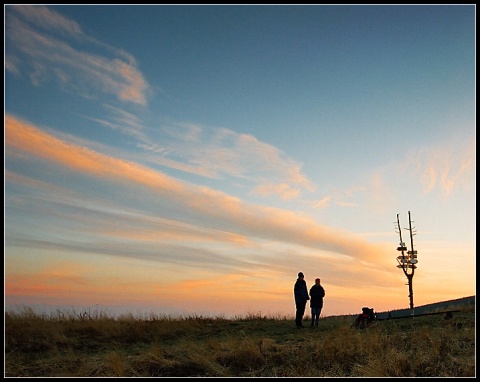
317	318
298	319
302	313
299	313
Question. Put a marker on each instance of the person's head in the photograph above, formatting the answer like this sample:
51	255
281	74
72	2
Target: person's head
300	275
317	281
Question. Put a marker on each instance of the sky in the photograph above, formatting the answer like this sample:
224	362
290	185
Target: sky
190	160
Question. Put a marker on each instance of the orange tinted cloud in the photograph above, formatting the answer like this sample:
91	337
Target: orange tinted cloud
446	168
25	137
283	189
243	219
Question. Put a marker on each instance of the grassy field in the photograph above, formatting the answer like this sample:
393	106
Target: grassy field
70	344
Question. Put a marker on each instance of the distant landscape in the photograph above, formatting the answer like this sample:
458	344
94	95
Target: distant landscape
82	344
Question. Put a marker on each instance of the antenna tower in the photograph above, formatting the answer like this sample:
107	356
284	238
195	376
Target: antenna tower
408	259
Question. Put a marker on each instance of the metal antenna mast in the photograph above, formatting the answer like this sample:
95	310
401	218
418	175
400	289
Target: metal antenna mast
407	261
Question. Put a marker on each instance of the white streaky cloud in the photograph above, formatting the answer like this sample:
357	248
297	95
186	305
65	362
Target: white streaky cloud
184	132
340	198
125	118
324	202
42	55
161	160
220	152
122	120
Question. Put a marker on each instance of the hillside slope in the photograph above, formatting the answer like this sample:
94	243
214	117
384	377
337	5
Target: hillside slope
428	308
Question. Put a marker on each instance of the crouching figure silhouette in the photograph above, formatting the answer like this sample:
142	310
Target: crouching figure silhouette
365	319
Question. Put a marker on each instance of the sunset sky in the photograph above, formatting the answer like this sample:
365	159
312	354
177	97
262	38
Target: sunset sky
191	160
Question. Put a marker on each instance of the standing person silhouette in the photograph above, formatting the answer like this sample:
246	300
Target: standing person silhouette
317	293
300	293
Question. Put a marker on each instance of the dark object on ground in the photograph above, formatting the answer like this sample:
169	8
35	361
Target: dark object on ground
368	317
364	320
446	315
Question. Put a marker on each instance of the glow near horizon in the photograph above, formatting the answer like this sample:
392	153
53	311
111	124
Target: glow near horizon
203	183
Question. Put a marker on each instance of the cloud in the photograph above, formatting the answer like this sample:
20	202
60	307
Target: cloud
324	202
283	189
215	209
448	168
220	153
128	123
30	47
339	198
44	18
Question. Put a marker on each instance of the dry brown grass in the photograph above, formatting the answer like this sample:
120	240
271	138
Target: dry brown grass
94	345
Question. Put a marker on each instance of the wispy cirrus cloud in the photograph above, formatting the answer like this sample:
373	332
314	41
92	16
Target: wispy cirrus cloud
220	152
447	168
220	210
31	48
42	17
284	190
127	123
339	198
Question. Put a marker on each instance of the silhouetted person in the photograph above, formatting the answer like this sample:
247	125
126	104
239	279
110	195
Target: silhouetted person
317	293
365	319
301	297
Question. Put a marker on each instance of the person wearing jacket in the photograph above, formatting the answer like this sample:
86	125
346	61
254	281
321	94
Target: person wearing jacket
300	293
317	293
